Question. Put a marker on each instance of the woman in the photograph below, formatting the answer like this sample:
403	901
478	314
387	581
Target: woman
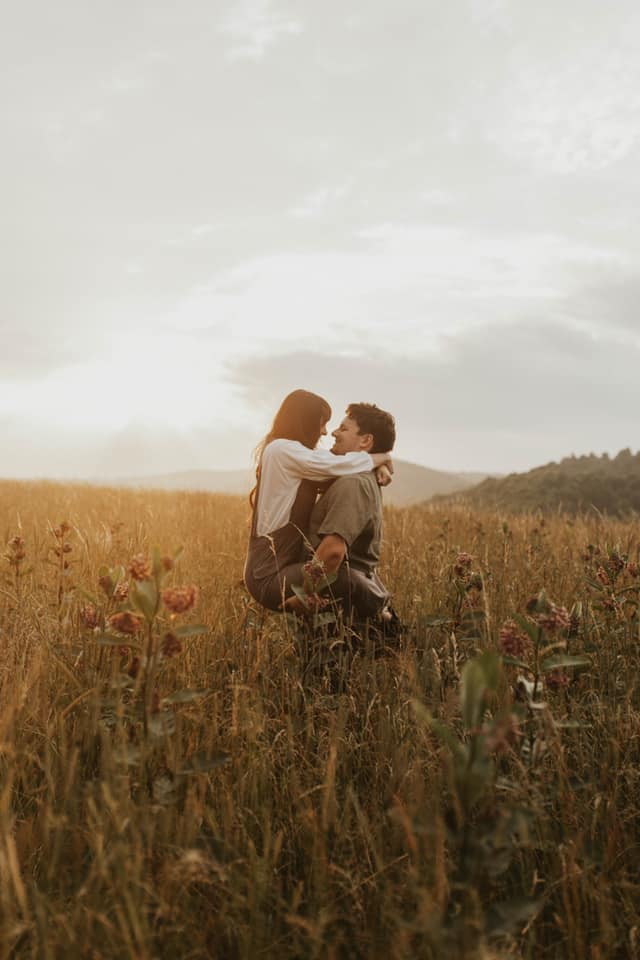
281	501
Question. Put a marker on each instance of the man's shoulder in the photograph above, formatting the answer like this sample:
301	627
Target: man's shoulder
355	481
360	485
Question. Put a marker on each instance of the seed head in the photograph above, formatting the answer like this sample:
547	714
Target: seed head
462	564
121	592
315	602
126	622
171	645
89	616
17	551
180	599
140	567
548	615
514	642
314	571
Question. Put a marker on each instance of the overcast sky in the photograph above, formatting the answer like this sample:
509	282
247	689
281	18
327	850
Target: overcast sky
433	206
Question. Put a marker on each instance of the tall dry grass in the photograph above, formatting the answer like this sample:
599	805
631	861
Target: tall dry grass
360	810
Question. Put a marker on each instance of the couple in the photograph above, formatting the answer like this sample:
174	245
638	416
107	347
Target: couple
343	527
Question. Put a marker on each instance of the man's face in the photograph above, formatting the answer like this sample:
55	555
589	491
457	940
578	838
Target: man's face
347	439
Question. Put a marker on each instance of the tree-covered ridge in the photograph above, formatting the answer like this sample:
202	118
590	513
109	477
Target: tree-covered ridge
608	484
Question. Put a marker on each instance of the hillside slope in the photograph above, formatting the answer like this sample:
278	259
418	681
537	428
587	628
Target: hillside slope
576	484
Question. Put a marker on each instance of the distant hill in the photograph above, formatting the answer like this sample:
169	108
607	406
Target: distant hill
411	482
576	484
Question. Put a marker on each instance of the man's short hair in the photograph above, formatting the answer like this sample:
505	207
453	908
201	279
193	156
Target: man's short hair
377	422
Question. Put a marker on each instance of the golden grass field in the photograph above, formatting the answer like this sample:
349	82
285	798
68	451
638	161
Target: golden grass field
308	799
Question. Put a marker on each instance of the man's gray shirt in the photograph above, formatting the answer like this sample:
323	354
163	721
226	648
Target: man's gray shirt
352	509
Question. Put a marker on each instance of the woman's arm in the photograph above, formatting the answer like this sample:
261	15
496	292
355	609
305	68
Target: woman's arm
382	459
319	464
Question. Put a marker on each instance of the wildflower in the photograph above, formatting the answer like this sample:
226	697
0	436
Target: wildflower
550	616
180	599
462	563
616	562
557	618
126	622
171	645
474	582
314	602
611	604
513	641
167	563
61	531
89	616
603	576
121	592
67	548
557	679
140	567
18	553
314	572
632	569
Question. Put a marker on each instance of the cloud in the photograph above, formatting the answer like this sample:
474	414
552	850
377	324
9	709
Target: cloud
254	27
29	354
608	299
498	398
572	104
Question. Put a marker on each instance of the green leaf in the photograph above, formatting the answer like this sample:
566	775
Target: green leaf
511	917
187	696
514	662
558	645
161	724
156	565
563	661
144	595
425	719
595	584
435	620
479	677
323	619
532	630
193	630
88	596
109	640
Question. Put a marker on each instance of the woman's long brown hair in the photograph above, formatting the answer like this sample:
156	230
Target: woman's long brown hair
300	417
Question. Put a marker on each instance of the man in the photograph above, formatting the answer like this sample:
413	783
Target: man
345	530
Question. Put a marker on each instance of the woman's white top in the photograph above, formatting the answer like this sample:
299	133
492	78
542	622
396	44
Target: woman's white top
284	464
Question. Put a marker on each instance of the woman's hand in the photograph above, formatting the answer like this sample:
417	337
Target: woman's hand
383	475
380	459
